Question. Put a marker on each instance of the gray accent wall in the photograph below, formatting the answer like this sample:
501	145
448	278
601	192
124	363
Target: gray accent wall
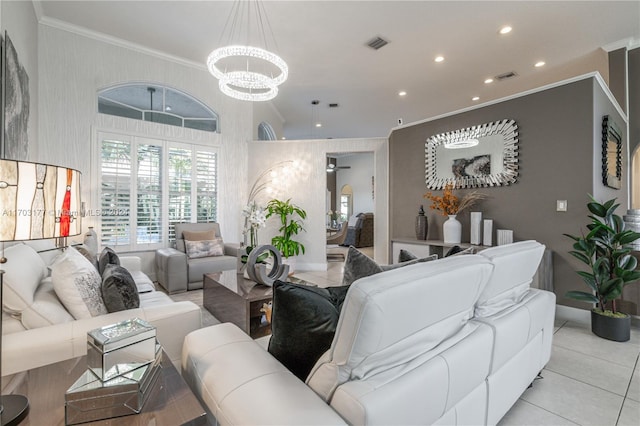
634	98
559	154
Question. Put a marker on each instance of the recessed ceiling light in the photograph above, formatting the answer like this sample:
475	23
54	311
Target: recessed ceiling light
402	93
505	30
489	80
475	98
439	58
318	124
540	64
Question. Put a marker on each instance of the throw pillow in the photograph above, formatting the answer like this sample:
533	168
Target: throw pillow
77	285
204	248
407	256
119	291
457	250
83	250
303	322
199	236
106	257
358	265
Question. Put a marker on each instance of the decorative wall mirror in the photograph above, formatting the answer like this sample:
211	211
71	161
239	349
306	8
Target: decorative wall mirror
478	156
611	153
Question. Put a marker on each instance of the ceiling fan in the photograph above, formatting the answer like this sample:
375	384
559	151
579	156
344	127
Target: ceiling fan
332	167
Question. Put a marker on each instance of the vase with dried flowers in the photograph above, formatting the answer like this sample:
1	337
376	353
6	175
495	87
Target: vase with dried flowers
450	205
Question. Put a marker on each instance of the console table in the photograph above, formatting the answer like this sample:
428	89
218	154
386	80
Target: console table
424	248
543	278
171	402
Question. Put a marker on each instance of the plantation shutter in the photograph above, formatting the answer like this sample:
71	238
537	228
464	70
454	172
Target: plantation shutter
149	194
206	186
179	176
115	198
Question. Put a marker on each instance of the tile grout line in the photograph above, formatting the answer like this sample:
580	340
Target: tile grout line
627	392
548	411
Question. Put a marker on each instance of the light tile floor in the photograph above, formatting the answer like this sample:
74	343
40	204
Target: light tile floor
588	381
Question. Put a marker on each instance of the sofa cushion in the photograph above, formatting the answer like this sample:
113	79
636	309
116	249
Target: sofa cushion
199	236
204	248
106	257
46	308
205	265
119	291
77	285
181	228
515	265
303	322
23	272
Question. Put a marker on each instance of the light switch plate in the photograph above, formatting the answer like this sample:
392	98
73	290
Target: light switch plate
561	205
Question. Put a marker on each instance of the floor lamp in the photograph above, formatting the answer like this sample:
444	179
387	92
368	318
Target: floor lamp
37	201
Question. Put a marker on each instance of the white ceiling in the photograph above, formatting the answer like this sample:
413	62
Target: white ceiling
324	44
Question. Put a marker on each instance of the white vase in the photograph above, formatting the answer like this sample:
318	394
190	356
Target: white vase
91	241
291	261
476	224
452	230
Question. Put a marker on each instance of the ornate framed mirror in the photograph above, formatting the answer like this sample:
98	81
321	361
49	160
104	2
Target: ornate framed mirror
478	156
611	153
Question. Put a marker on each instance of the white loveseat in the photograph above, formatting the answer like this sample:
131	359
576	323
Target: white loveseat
38	330
452	341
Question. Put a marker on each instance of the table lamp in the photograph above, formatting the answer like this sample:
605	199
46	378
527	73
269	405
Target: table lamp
37	201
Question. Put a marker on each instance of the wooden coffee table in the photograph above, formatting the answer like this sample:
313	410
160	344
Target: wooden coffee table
170	403
232	298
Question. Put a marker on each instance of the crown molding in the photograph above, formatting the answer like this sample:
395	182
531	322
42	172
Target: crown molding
94	35
595	75
629	43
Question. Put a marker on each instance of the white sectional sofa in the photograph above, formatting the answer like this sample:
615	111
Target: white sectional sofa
38	330
452	341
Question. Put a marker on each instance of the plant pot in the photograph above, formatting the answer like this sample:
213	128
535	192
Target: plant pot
610	328
291	261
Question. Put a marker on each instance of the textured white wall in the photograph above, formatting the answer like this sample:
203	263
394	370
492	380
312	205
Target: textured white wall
72	70
308	189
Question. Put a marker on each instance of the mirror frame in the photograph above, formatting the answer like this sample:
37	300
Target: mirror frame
611	134
507	128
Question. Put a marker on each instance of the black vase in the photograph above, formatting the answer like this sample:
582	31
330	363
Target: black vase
421	227
611	328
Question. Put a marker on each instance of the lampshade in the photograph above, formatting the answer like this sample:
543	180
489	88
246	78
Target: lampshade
38	201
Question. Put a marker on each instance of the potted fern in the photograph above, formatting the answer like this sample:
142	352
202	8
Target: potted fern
611	267
291	217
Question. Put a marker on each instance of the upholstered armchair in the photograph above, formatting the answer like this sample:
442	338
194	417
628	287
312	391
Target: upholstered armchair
179	269
359	231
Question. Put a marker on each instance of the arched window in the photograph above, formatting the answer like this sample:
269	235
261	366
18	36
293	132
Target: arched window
266	132
158	104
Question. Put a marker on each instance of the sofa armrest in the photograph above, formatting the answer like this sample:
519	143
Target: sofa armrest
171	269
225	368
131	263
231	249
47	345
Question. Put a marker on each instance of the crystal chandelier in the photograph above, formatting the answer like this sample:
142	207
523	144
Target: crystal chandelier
247	72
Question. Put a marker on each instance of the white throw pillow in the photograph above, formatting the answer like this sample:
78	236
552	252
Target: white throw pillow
204	248
78	285
22	275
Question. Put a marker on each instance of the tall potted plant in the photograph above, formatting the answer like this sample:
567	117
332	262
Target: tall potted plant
291	217
611	267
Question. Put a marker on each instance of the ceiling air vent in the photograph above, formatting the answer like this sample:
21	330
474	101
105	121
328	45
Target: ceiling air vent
333	105
377	42
506	76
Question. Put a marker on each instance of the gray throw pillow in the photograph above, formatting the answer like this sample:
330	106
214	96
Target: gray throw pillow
358	265
119	290
108	256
